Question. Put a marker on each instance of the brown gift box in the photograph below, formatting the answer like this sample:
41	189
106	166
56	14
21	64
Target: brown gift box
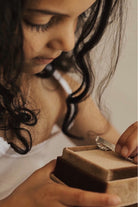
92	169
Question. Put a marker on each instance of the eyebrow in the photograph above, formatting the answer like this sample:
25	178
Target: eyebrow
46	12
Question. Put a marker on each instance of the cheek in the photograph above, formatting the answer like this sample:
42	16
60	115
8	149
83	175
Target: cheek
33	43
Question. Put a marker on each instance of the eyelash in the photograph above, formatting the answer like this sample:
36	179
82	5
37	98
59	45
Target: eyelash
45	27
41	27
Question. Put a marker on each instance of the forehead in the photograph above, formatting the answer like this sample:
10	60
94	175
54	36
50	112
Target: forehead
69	7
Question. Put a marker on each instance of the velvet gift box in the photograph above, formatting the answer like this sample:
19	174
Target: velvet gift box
93	169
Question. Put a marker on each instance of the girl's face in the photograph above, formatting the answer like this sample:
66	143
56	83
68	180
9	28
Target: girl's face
49	29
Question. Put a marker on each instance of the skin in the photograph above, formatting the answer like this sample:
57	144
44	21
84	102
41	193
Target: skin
39	189
127	144
50	43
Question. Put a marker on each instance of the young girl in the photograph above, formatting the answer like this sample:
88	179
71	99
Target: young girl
40	42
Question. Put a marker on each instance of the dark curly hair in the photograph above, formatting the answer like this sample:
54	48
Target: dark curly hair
92	24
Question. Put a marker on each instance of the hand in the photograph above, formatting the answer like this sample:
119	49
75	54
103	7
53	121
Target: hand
127	144
40	191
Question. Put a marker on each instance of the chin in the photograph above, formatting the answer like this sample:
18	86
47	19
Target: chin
33	69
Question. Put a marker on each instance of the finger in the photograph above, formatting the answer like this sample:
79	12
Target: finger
126	138
136	159
134	153
55	204
127	133
130	145
77	197
49	168
44	172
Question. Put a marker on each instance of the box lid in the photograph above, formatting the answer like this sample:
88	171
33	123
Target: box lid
105	165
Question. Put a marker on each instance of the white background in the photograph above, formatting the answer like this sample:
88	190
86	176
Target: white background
122	97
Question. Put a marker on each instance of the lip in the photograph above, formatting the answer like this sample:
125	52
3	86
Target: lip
42	61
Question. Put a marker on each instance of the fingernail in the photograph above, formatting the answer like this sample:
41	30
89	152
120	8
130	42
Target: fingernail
114	201
124	151
118	148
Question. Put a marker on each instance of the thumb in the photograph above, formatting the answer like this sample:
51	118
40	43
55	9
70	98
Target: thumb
49	168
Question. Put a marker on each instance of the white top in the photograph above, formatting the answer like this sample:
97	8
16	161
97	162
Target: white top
16	168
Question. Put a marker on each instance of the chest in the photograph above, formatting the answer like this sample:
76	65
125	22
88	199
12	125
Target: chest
47	98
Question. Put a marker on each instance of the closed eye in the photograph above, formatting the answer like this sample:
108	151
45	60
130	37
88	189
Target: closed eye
53	21
41	27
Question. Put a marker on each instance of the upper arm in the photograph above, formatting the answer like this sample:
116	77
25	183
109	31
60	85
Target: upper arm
89	119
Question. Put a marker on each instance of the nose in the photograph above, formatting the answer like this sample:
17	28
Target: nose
63	38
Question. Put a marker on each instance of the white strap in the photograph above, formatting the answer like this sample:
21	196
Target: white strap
62	81
67	89
4	146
